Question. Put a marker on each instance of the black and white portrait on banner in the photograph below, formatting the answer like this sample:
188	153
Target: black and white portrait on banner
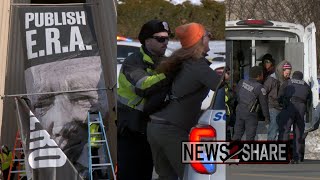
62	55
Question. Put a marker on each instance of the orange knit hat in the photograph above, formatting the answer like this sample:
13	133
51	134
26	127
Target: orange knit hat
189	34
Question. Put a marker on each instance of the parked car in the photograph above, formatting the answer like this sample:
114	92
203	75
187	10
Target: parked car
212	118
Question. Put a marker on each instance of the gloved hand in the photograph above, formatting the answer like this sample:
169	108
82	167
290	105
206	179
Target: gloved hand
267	121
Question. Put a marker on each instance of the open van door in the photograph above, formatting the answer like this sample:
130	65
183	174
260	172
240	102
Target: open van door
310	67
229	58
293	52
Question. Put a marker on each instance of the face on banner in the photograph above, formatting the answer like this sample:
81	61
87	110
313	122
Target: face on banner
62	55
64	115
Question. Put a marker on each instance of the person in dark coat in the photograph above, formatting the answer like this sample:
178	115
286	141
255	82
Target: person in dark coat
171	125
294	95
250	93
272	85
268	65
137	81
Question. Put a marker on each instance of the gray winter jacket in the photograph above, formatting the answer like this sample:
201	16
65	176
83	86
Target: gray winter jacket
190	87
272	85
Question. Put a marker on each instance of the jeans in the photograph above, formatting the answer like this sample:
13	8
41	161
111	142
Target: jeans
273	128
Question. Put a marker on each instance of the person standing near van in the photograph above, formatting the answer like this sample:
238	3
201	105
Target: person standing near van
272	85
171	125
250	93
294	94
268	65
138	80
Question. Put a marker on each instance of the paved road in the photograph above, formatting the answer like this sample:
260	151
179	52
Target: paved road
309	170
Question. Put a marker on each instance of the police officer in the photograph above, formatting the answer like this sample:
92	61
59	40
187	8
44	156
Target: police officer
229	103
6	158
138	80
250	93
294	95
95	136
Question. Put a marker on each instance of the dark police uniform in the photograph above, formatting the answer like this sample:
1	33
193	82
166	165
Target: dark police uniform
250	93
293	95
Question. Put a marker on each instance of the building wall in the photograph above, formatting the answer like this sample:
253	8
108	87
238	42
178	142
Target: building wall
12	75
4	33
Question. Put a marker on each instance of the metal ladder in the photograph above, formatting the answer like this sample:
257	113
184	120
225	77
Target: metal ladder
17	156
97	119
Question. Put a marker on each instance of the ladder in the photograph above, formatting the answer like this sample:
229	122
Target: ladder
95	118
17	157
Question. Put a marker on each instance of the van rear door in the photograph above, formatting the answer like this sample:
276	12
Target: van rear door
310	58
310	67
293	52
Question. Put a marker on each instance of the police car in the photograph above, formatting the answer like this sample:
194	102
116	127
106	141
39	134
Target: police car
212	121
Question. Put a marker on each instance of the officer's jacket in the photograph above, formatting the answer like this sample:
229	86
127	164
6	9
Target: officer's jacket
138	79
250	91
294	90
5	160
228	99
94	128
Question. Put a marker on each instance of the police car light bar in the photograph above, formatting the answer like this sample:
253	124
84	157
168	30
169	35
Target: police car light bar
252	22
121	38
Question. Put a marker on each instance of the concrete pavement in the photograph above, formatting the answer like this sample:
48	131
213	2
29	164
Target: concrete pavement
309	170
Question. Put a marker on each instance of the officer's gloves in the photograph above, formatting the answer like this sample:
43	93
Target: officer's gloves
267	121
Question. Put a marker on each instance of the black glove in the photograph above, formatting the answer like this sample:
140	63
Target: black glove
267	121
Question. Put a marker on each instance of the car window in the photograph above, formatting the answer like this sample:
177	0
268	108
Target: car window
124	51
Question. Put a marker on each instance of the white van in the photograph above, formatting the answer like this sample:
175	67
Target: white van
248	40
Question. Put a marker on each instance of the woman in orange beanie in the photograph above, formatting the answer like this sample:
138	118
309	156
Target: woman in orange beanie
193	80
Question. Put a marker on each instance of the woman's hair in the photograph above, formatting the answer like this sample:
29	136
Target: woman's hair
173	62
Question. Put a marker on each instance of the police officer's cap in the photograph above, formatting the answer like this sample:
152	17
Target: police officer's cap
297	75
255	71
152	27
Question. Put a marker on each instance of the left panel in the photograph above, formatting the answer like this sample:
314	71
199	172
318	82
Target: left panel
60	57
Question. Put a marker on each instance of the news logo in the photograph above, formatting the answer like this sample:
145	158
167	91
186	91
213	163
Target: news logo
237	152
203	152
